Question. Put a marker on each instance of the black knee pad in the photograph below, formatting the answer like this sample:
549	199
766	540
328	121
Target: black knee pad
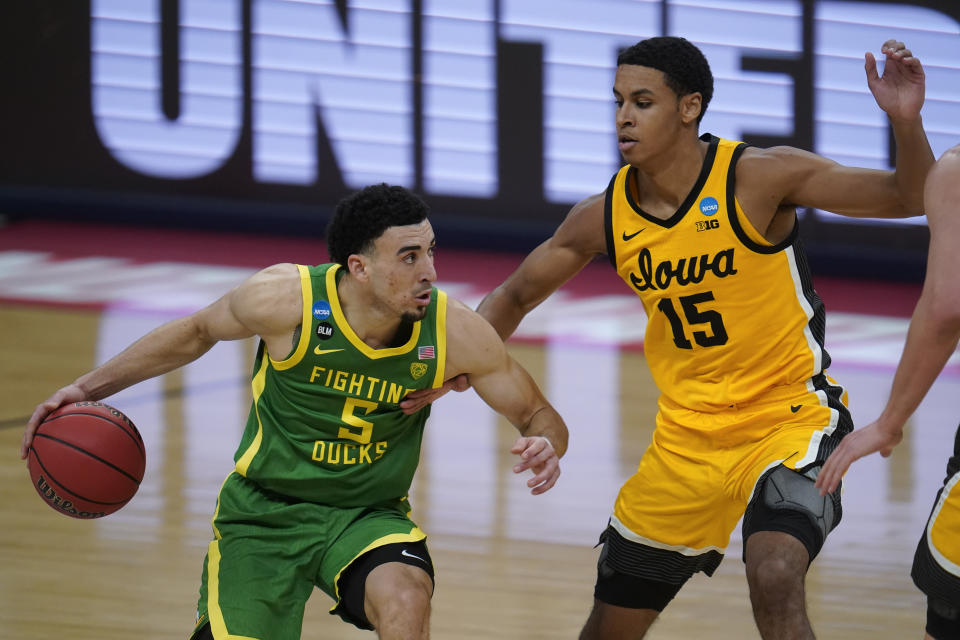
943	620
787	501
353	580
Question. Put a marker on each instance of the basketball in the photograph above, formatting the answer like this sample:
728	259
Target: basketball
86	460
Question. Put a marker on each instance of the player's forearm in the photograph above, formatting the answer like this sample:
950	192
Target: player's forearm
932	338
160	351
547	423
914	159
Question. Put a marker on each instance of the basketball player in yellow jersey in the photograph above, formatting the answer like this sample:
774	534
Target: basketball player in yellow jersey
931	340
705	232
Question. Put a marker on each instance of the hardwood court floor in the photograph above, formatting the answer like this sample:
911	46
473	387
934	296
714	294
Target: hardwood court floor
509	565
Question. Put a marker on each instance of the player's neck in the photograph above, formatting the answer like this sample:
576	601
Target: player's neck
665	182
376	326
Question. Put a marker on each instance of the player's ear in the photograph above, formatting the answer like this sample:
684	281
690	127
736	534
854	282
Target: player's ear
690	107
357	266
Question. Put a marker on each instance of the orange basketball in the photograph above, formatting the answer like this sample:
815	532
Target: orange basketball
86	460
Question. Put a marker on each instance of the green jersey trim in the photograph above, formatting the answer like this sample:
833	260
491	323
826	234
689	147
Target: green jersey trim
347	330
306	291
258	384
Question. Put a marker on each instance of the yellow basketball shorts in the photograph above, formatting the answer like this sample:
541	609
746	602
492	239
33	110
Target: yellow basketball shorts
676	513
936	564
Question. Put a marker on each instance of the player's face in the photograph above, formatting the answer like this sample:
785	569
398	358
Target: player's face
648	116
403	271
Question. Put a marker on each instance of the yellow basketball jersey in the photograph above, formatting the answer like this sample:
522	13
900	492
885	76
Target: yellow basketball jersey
730	316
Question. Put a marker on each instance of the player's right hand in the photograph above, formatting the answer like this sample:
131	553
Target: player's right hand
66	395
416	400
876	436
537	454
900	90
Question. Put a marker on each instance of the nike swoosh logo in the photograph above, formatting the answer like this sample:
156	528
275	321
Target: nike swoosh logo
317	350
406	553
795	408
632	235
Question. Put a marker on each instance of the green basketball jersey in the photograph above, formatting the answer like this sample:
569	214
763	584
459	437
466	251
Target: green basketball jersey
325	424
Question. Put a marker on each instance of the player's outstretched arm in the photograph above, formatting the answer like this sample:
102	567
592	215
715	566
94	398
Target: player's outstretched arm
934	329
576	241
900	92
474	349
790	176
262	305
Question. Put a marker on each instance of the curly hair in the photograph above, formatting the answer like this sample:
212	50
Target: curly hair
363	216
684	66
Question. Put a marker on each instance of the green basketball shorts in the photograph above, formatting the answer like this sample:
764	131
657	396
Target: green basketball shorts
270	551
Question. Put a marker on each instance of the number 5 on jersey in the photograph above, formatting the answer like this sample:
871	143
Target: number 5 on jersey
350	418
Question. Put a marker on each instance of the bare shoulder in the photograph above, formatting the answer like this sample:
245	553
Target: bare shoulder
275	283
950	160
782	153
778	162
269	301
942	190
591	205
473	345
467	326
774	175
582	229
945	173
277	272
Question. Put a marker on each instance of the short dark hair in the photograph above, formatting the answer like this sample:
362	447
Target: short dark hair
363	216
684	66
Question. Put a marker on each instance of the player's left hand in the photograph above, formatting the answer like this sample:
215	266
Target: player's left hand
900	90
537	453
416	400
862	442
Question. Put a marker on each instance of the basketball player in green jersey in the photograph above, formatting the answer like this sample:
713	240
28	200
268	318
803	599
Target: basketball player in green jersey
931	340
704	231
319	492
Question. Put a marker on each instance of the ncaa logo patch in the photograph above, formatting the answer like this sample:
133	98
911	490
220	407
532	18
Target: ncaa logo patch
321	310
709	206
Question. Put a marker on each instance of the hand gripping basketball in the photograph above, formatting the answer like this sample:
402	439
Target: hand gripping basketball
86	459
